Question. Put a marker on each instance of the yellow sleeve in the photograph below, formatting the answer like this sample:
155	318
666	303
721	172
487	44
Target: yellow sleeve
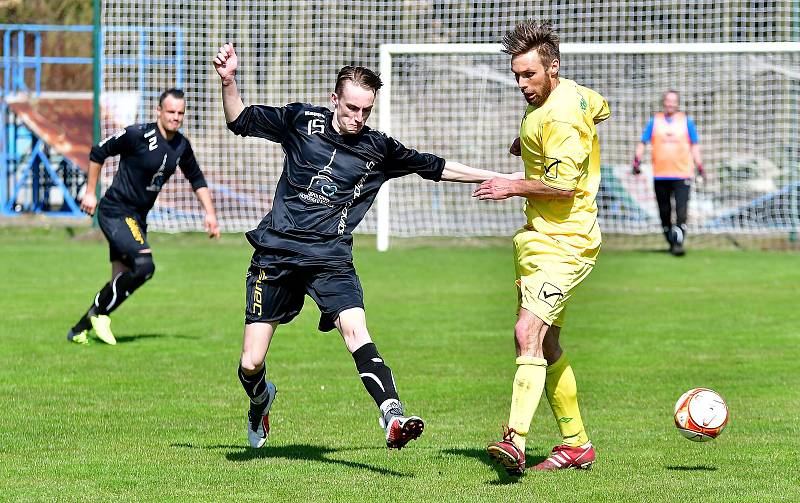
599	109
564	153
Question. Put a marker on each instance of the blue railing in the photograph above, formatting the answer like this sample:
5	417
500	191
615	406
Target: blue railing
16	67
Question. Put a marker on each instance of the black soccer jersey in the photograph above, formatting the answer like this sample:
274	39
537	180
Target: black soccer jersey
329	180
147	160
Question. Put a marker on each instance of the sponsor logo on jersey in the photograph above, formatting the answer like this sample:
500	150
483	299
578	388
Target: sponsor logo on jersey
322	187
356	192
258	293
158	179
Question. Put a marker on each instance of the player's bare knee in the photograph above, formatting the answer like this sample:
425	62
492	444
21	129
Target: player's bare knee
523	332
249	363
355	337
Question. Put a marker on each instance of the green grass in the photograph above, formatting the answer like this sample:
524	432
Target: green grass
160	416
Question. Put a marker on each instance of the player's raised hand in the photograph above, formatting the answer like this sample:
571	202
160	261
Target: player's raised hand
495	189
226	62
515	148
89	203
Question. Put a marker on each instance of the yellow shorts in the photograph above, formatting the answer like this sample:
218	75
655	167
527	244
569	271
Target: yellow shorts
547	275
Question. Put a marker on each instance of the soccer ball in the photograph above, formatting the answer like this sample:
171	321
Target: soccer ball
701	414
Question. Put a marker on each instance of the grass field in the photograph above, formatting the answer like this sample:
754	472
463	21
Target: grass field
161	415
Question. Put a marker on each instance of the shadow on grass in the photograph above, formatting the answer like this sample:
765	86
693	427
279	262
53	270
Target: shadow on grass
698	468
302	451
503	478
124	339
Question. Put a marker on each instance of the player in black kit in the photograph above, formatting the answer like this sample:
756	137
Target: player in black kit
149	155
333	168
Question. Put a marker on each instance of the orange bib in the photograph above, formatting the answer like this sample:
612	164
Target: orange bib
672	157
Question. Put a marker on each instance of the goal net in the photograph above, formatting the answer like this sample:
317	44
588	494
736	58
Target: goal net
464	106
461	100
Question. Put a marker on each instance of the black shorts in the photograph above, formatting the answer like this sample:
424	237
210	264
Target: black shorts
126	235
277	284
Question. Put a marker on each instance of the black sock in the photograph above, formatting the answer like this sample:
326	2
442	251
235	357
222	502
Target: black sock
114	293
376	376
84	323
255	385
117	290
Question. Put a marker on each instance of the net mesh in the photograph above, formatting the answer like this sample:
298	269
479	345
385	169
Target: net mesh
465	107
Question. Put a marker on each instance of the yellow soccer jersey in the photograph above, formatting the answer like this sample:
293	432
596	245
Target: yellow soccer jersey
560	149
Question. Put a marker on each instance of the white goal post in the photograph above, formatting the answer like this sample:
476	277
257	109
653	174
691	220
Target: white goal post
702	62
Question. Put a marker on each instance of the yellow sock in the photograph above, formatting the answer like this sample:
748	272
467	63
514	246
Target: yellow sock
528	385
562	393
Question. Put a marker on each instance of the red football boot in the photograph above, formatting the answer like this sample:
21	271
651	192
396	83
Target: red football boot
508	454
564	457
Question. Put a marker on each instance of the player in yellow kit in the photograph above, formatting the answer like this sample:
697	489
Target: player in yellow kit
557	247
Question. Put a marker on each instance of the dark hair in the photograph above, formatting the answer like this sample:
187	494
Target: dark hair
533	35
670	91
175	93
358	75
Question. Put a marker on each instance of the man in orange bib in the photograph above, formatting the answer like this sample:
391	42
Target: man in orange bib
676	155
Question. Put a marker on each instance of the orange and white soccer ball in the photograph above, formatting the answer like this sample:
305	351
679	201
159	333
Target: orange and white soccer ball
701	414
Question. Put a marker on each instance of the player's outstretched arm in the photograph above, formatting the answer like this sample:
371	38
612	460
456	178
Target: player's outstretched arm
89	201
503	188
204	196
457	172
225	63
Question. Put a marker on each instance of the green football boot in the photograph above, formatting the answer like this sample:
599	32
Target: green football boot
102	328
81	337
